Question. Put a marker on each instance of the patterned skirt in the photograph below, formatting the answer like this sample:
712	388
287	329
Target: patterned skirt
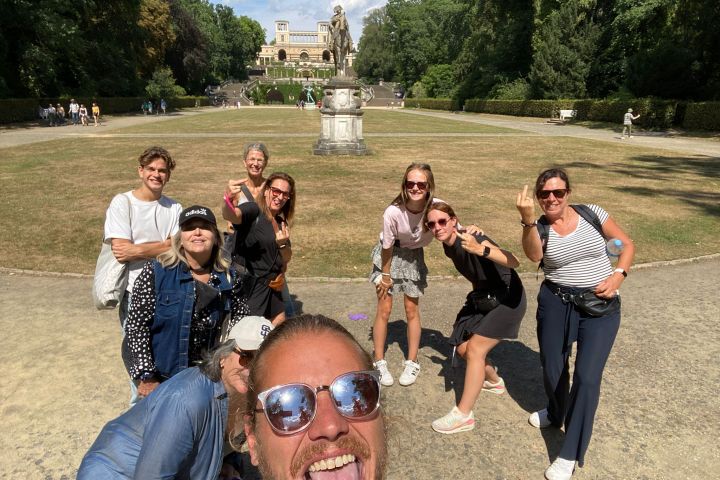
407	270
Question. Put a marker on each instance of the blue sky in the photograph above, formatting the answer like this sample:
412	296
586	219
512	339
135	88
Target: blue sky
302	14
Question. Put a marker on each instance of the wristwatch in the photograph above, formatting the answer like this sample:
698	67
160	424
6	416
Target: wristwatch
486	252
620	270
528	225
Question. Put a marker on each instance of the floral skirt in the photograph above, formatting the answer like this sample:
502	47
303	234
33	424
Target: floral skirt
407	270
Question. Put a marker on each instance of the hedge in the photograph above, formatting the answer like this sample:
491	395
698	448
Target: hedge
654	113
24	109
702	116
433	103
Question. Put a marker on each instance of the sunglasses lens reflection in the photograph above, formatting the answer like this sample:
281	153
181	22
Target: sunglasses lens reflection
356	395
290	408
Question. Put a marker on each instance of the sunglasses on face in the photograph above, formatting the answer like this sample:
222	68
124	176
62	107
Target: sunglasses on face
276	192
559	193
291	408
245	356
440	223
420	185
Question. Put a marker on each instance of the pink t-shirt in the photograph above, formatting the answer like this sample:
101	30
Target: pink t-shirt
401	224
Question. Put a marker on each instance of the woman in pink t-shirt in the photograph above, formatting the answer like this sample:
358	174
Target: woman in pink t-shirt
399	266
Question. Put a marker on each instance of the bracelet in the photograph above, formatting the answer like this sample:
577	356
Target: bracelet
528	225
486	252
386	284
620	270
283	245
385	274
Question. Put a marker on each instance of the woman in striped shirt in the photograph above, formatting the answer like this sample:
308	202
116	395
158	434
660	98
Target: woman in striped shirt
574	259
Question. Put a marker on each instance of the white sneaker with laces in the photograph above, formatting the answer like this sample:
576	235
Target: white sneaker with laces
386	378
409	375
540	419
560	469
454	422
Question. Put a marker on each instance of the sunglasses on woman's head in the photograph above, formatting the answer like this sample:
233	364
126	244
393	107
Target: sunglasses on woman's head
559	193
440	223
291	408
420	185
245	355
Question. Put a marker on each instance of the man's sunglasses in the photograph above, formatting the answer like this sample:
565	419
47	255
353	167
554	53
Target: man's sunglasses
559	193
420	185
291	408
440	223
276	192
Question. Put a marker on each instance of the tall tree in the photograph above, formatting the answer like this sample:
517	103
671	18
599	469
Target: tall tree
374	59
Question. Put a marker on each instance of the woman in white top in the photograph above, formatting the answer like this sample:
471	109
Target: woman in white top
570	240
399	266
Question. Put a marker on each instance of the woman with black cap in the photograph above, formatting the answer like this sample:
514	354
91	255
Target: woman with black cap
179	302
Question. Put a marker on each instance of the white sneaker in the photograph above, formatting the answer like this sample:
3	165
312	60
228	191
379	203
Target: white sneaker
409	375
560	469
386	378
496	388
540	419
454	422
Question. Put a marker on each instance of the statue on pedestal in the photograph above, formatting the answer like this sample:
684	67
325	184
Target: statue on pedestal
340	42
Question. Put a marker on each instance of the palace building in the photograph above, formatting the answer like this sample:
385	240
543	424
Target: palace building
306	48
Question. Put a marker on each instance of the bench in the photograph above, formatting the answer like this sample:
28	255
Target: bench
565	114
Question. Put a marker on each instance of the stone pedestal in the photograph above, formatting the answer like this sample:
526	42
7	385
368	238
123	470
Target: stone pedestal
341	120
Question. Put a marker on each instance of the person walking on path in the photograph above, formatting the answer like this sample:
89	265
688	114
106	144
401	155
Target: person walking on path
74	109
140	222
578	302
492	311
96	113
628	123
82	111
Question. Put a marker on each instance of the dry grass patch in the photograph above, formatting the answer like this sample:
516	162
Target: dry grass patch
56	192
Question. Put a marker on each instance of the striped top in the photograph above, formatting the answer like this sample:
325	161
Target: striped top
579	258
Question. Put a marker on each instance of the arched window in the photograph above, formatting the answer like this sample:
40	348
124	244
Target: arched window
326	55
304	57
282	56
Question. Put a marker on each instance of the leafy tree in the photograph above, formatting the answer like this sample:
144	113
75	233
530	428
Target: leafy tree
374	59
157	34
439	81
162	85
563	48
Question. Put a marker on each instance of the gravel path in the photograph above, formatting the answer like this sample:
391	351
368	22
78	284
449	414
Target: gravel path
658	416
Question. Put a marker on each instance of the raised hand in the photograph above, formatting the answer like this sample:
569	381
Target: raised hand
526	206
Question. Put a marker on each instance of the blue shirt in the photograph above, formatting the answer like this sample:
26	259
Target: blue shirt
176	432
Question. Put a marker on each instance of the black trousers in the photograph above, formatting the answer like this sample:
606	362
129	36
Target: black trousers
560	324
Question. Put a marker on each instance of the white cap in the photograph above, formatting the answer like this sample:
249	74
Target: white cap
250	332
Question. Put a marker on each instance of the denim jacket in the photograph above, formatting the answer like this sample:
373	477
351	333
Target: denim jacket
175	303
177	432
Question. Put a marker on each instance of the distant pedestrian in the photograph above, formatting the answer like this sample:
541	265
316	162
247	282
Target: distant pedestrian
74	109
163	105
51	115
627	123
82	111
96	113
60	114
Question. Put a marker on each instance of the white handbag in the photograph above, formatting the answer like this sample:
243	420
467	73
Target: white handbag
111	276
110	280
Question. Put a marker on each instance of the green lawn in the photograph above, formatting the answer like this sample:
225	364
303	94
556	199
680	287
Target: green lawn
55	193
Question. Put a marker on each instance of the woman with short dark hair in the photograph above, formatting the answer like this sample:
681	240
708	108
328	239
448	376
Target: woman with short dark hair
578	301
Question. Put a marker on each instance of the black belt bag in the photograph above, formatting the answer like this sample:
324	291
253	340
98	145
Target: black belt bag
586	300
482	301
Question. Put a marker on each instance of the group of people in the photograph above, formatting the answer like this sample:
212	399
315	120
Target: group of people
148	106
213	361
578	302
56	115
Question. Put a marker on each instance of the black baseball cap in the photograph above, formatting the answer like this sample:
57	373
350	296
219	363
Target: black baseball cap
197	211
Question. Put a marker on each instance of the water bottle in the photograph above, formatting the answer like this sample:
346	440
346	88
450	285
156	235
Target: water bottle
614	247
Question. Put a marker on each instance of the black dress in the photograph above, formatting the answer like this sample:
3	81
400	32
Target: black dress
487	276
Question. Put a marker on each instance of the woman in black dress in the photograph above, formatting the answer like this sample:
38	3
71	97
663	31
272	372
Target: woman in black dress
492	311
